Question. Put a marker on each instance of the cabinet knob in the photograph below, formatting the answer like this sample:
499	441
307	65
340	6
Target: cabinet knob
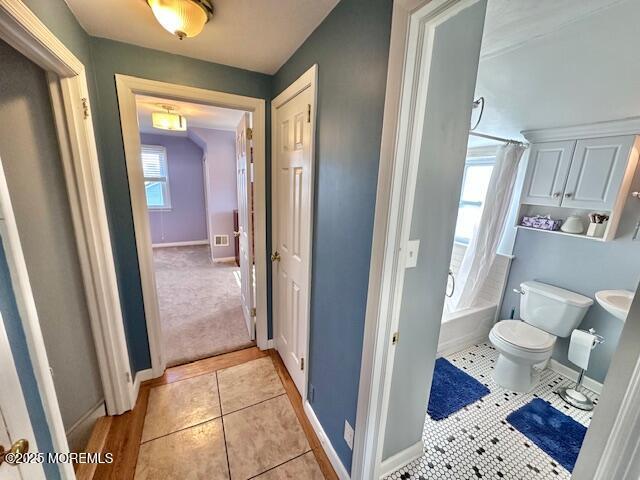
568	195
557	195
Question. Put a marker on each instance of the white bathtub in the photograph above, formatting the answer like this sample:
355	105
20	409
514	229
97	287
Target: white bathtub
465	327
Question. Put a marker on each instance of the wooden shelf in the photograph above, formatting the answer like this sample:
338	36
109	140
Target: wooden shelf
560	232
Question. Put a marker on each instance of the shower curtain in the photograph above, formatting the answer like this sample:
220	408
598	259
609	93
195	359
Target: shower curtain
481	251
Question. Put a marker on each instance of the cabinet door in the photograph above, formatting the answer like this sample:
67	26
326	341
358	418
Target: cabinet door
547	173
596	172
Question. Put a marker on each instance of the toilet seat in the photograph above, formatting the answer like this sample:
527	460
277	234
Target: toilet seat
524	336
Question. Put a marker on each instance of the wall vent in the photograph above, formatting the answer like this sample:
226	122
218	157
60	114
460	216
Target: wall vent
221	240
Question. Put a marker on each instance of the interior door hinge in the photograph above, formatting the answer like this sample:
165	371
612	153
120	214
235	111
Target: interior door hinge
253	312
85	107
249	133
395	338
128	377
302	363
309	113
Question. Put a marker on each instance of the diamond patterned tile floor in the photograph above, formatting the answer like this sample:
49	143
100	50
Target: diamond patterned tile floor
477	441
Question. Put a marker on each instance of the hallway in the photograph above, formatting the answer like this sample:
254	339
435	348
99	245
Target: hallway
199	304
236	416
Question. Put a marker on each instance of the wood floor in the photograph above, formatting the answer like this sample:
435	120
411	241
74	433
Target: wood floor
122	435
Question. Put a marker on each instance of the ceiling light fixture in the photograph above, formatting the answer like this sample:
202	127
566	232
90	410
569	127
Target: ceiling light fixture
183	18
168	120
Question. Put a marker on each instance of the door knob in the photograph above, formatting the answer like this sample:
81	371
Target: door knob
19	447
236	234
275	256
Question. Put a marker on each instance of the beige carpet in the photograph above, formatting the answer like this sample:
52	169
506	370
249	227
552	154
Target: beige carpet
200	306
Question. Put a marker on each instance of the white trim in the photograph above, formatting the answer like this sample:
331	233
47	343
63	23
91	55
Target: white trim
223	259
271	344
141	376
572	375
22	29
127	87
308	79
484	151
400	459
80	432
189	243
336	463
413	25
612	128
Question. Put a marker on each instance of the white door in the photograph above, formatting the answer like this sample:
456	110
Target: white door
547	173
244	156
596	173
292	226
15	424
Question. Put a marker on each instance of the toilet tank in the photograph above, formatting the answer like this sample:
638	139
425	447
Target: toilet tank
552	309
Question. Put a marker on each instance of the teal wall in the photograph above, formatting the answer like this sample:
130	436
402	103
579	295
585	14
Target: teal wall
116	57
351	49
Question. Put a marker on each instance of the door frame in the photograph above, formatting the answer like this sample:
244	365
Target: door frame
615	424
308	79
68	88
127	88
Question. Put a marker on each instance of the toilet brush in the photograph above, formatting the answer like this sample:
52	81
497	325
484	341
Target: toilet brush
579	351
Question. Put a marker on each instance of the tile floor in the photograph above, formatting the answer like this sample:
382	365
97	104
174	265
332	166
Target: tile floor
477	441
237	423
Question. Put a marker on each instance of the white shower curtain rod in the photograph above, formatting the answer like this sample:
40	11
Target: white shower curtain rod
499	139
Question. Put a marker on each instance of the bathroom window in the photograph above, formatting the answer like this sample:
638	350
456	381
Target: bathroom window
156	177
477	174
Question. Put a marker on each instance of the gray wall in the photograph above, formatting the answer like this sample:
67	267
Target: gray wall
115	57
583	266
222	195
30	156
351	48
451	86
187	219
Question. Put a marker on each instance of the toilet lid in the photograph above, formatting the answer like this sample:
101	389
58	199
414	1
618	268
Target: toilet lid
523	335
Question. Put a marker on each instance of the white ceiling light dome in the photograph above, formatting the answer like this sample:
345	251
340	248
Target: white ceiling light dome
183	18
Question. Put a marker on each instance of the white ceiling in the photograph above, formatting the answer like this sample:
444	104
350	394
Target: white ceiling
552	63
254	35
201	116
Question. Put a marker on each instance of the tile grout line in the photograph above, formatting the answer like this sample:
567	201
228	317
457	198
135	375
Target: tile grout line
224	434
212	418
252	405
283	463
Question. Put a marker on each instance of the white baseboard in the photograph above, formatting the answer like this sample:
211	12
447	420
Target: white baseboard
79	433
181	244
569	372
454	346
223	259
400	459
141	376
326	444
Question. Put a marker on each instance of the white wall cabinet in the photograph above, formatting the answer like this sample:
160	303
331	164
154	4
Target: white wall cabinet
577	177
547	173
596	172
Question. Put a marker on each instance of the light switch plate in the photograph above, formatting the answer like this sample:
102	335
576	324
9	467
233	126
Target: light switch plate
348	434
412	253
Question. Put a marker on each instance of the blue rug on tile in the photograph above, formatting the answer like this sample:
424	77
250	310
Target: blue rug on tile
451	390
559	435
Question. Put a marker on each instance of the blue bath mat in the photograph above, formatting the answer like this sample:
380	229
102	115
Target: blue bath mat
559	435
451	390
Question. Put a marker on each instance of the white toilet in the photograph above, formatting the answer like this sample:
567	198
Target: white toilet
547	312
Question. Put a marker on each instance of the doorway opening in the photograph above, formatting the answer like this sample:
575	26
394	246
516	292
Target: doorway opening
502	382
185	187
199	198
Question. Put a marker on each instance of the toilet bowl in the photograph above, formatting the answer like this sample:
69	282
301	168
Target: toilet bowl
547	312
520	346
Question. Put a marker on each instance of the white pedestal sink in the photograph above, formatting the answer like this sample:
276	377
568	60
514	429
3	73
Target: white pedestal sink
616	302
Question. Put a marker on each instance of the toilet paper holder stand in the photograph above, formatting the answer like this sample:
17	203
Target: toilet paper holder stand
571	395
